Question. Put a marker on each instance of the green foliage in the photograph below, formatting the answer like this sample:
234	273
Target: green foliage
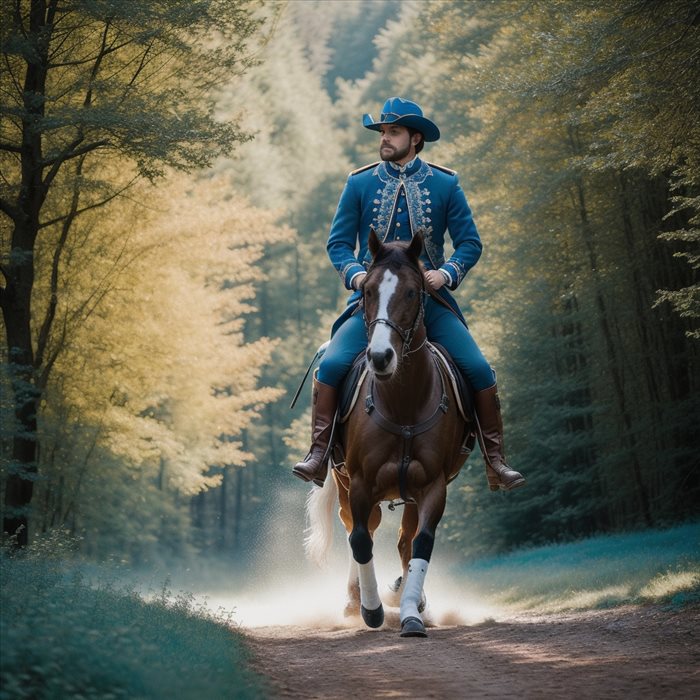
352	54
62	636
130	80
560	109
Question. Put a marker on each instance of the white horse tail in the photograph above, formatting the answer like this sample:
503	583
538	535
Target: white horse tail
321	504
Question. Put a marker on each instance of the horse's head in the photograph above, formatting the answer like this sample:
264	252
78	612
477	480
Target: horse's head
393	300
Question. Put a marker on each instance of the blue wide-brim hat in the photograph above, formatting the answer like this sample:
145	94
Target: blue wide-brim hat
402	112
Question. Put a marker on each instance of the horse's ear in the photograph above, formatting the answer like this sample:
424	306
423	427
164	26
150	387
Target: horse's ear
374	243
416	246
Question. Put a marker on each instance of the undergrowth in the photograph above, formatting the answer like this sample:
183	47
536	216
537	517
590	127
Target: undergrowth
652	566
64	637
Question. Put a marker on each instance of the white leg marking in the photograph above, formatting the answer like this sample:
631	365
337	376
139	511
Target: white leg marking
352	602
413	589
353	577
369	593
381	336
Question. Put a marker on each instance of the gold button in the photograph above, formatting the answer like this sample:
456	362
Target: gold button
398	224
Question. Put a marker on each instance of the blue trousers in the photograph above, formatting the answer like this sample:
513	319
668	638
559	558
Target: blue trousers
443	327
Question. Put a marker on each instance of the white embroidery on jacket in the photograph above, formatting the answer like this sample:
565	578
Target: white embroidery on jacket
418	203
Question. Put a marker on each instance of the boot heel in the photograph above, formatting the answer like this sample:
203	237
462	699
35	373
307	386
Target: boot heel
493	479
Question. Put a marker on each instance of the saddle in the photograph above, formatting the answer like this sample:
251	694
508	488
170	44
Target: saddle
351	387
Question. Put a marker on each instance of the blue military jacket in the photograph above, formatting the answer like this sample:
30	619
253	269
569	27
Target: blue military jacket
397	203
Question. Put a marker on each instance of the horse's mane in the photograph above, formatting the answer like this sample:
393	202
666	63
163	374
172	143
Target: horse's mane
395	255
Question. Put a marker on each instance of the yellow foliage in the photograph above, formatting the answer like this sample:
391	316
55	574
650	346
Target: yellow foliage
153	365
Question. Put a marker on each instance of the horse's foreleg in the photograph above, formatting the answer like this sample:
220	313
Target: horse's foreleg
352	602
430	509
361	543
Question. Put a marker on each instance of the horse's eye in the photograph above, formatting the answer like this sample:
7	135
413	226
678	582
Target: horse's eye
411	293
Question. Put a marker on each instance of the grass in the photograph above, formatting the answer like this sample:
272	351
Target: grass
61	637
654	566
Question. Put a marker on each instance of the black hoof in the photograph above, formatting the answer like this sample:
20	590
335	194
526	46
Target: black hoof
413	627
373	618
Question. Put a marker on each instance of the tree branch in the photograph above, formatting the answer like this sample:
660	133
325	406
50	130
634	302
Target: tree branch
10	147
45	331
18	18
95	205
142	65
73	152
7	208
92	59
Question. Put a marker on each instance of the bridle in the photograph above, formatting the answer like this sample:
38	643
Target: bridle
406	335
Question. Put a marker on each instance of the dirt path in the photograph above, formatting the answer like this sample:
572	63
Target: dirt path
628	652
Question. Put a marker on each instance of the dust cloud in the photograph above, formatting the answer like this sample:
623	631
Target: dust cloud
282	588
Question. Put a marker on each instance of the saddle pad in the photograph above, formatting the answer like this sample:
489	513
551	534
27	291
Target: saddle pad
462	390
350	388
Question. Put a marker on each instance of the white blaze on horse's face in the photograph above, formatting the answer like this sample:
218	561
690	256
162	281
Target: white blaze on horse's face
380	352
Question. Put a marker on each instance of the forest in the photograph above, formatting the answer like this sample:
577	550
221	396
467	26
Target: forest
169	172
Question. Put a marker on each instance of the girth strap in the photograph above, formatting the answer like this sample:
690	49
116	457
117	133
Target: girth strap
407	432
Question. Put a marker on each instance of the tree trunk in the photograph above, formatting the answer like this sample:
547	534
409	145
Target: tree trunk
19	273
615	370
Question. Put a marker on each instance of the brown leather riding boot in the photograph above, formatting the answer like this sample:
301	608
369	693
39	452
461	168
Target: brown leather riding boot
314	466
488	413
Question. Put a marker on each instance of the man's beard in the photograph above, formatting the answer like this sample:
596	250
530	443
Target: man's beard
395	154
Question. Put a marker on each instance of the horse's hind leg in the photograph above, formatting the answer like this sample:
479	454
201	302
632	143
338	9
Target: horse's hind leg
407	531
361	544
352	601
430	509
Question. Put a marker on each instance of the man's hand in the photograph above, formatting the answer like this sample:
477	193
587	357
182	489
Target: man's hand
434	278
357	281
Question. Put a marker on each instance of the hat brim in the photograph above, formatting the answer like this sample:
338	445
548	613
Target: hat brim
414	121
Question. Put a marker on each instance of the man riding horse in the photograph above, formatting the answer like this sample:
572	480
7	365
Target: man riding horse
397	197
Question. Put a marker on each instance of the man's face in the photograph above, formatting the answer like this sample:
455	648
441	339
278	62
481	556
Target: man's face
396	144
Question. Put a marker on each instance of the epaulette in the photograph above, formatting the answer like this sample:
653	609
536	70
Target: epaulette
443	168
365	167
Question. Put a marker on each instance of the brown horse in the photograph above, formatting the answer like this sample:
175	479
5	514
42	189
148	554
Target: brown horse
401	440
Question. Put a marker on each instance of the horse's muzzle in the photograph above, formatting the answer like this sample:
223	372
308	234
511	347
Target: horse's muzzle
381	362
